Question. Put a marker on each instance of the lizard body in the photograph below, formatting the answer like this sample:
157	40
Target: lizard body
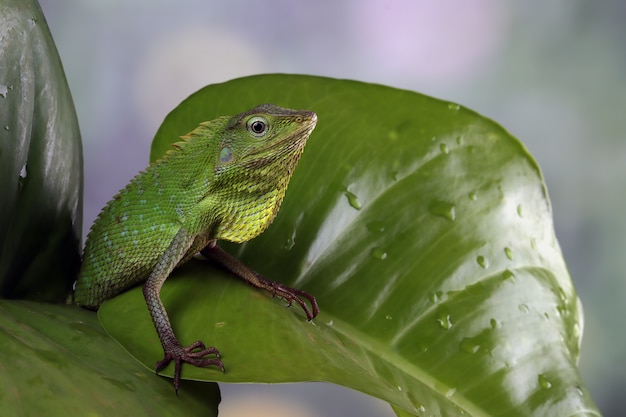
224	180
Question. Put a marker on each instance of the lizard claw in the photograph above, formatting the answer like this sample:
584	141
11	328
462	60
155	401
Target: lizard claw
193	354
292	294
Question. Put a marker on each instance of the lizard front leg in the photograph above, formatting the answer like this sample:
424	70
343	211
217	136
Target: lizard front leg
173	350
235	266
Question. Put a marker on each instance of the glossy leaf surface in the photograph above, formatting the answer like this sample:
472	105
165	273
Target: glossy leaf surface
425	232
40	161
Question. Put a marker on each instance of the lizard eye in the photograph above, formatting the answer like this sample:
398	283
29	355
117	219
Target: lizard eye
258	126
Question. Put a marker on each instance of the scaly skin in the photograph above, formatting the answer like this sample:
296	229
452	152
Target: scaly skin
225	180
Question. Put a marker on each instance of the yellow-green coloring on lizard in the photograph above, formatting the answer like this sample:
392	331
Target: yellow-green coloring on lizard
225	180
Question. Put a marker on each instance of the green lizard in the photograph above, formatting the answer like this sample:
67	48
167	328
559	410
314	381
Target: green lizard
224	180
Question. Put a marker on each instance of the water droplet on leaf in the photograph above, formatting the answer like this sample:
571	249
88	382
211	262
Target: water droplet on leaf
444	320
544	382
290	243
508	274
443	209
435	297
469	345
509	253
444	148
450	392
379	254
482	261
375	226
353	200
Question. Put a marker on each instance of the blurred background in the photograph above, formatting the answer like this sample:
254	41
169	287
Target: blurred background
553	73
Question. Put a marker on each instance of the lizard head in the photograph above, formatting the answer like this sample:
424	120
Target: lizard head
266	134
257	154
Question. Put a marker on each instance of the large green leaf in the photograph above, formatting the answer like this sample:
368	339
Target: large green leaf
58	361
40	161
425	232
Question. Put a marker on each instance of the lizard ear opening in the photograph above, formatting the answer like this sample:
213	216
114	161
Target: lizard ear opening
226	155
258	126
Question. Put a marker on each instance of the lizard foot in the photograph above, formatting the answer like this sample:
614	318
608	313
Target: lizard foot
194	354
291	295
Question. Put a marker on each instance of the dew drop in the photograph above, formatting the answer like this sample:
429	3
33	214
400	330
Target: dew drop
469	345
379	254
494	323
388	317
444	148
353	200
443	209
375	226
523	308
508	274
453	106
444	321
23	172
7	128
290	243
472	196
509	253
482	261
3	91
435	297
459	140
544	382
520	212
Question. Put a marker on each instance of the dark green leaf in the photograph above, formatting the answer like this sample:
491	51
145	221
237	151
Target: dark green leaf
58	361
426	234
40	160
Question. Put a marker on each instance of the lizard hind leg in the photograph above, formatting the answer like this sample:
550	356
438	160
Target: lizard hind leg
194	354
236	267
